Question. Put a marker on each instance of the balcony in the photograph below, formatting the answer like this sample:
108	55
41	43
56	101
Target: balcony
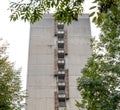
60	33
61	72
60	53
62	104
60	26
61	43
61	63
61	108
61	82
61	94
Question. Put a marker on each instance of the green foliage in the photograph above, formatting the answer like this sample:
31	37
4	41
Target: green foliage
100	81
103	6
11	96
66	10
98	85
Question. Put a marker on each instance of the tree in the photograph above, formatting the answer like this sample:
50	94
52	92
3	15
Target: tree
66	10
99	84
11	95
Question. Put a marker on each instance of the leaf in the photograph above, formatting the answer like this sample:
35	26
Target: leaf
53	3
94	19
91	14
99	20
92	7
95	1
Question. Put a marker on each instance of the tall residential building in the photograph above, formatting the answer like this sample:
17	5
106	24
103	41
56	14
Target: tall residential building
57	53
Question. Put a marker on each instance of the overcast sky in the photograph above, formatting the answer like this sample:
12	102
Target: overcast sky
17	35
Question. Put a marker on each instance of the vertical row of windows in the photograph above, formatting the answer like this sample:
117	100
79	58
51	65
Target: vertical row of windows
62	83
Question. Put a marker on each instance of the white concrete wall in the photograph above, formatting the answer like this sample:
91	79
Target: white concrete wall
41	83
78	52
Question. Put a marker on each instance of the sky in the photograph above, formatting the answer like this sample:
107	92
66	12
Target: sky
17	35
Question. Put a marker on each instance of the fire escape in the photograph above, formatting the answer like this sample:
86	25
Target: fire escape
60	72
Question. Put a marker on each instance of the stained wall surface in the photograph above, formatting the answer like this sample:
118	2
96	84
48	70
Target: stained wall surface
78	53
41	82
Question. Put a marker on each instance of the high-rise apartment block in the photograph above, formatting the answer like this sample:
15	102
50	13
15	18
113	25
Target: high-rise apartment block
57	53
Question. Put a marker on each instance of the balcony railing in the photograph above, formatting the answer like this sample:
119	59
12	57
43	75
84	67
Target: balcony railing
61	72
60	33
62	104
61	92
61	83
61	108
62	96
61	63
60	43
61	53
60	26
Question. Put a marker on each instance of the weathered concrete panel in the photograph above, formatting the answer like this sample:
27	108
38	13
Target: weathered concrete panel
41	82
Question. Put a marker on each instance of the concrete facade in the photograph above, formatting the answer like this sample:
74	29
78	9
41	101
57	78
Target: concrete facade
41	81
